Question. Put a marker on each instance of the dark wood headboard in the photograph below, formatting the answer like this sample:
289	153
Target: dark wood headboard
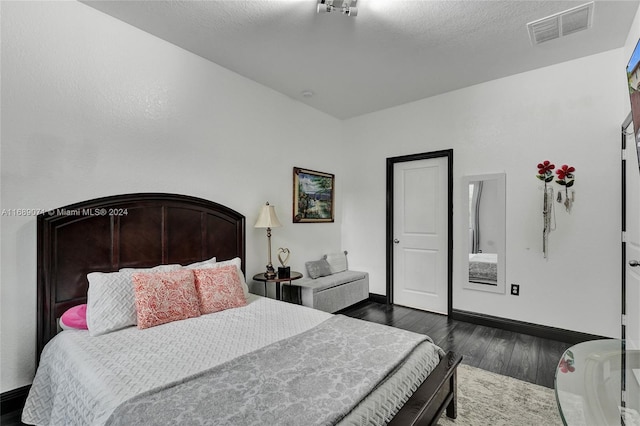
133	230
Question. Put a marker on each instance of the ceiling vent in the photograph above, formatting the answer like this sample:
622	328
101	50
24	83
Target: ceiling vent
561	24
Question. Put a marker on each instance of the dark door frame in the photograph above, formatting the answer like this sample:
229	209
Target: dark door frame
448	153
627	122
623	304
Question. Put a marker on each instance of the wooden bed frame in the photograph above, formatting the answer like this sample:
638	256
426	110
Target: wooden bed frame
148	229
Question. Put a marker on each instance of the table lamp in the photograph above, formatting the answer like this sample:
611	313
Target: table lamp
268	219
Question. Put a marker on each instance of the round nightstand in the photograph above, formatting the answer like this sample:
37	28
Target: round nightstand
263	278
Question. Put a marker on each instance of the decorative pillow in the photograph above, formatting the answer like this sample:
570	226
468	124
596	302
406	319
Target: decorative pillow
162	297
235	261
318	268
219	289
202	265
337	261
75	318
111	303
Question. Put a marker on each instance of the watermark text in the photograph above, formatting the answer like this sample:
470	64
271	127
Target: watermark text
66	212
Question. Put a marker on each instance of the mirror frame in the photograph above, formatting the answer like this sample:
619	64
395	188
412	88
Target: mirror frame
501	181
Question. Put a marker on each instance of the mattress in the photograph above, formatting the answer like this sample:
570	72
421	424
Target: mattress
82	379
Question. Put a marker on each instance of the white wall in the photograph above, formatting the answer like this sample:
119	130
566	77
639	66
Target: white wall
509	125
94	107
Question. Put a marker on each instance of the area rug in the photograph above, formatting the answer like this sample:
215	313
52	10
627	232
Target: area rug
486	398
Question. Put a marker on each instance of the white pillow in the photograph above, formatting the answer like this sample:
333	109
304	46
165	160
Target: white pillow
111	303
235	261
337	261
205	264
159	268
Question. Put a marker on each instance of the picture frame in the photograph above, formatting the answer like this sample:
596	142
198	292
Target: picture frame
313	196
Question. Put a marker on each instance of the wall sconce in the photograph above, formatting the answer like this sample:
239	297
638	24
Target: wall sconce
347	7
268	219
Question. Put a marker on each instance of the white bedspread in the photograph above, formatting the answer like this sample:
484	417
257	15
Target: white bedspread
81	380
93	375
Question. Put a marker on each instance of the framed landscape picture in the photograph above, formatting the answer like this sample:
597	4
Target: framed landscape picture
313	196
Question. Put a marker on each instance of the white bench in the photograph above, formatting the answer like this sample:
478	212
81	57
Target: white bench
334	292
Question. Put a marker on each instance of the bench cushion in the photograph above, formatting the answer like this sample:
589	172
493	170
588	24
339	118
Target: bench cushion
324	283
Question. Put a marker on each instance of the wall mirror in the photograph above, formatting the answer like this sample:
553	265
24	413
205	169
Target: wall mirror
484	207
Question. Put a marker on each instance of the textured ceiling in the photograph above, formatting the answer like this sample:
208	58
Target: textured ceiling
393	52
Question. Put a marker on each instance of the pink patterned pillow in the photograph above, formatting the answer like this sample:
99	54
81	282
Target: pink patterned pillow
163	297
219	289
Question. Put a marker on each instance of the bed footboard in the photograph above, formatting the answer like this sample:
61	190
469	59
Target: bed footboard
437	393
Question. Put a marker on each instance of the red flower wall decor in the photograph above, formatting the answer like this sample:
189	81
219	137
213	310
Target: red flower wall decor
545	172
566	178
565	175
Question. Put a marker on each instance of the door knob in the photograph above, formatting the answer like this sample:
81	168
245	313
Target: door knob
634	263
396	241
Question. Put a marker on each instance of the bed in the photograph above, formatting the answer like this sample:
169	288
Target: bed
483	268
264	362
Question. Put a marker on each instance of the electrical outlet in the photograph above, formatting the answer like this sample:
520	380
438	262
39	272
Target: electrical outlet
515	289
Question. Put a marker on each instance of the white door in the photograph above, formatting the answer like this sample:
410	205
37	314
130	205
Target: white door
420	232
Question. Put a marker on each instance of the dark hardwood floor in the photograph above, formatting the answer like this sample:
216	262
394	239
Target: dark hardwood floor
528	358
524	357
10	419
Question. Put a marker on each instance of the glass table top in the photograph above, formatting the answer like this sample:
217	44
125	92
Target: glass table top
589	384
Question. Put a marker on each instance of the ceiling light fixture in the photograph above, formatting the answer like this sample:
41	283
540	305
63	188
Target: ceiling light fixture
347	7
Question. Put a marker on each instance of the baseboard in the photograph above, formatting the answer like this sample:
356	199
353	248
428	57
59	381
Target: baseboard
14	399
378	298
546	332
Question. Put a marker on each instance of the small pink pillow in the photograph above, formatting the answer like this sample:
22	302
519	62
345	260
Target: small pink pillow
219	289
163	297
75	318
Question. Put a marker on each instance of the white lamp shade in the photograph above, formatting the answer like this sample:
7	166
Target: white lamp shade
267	218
